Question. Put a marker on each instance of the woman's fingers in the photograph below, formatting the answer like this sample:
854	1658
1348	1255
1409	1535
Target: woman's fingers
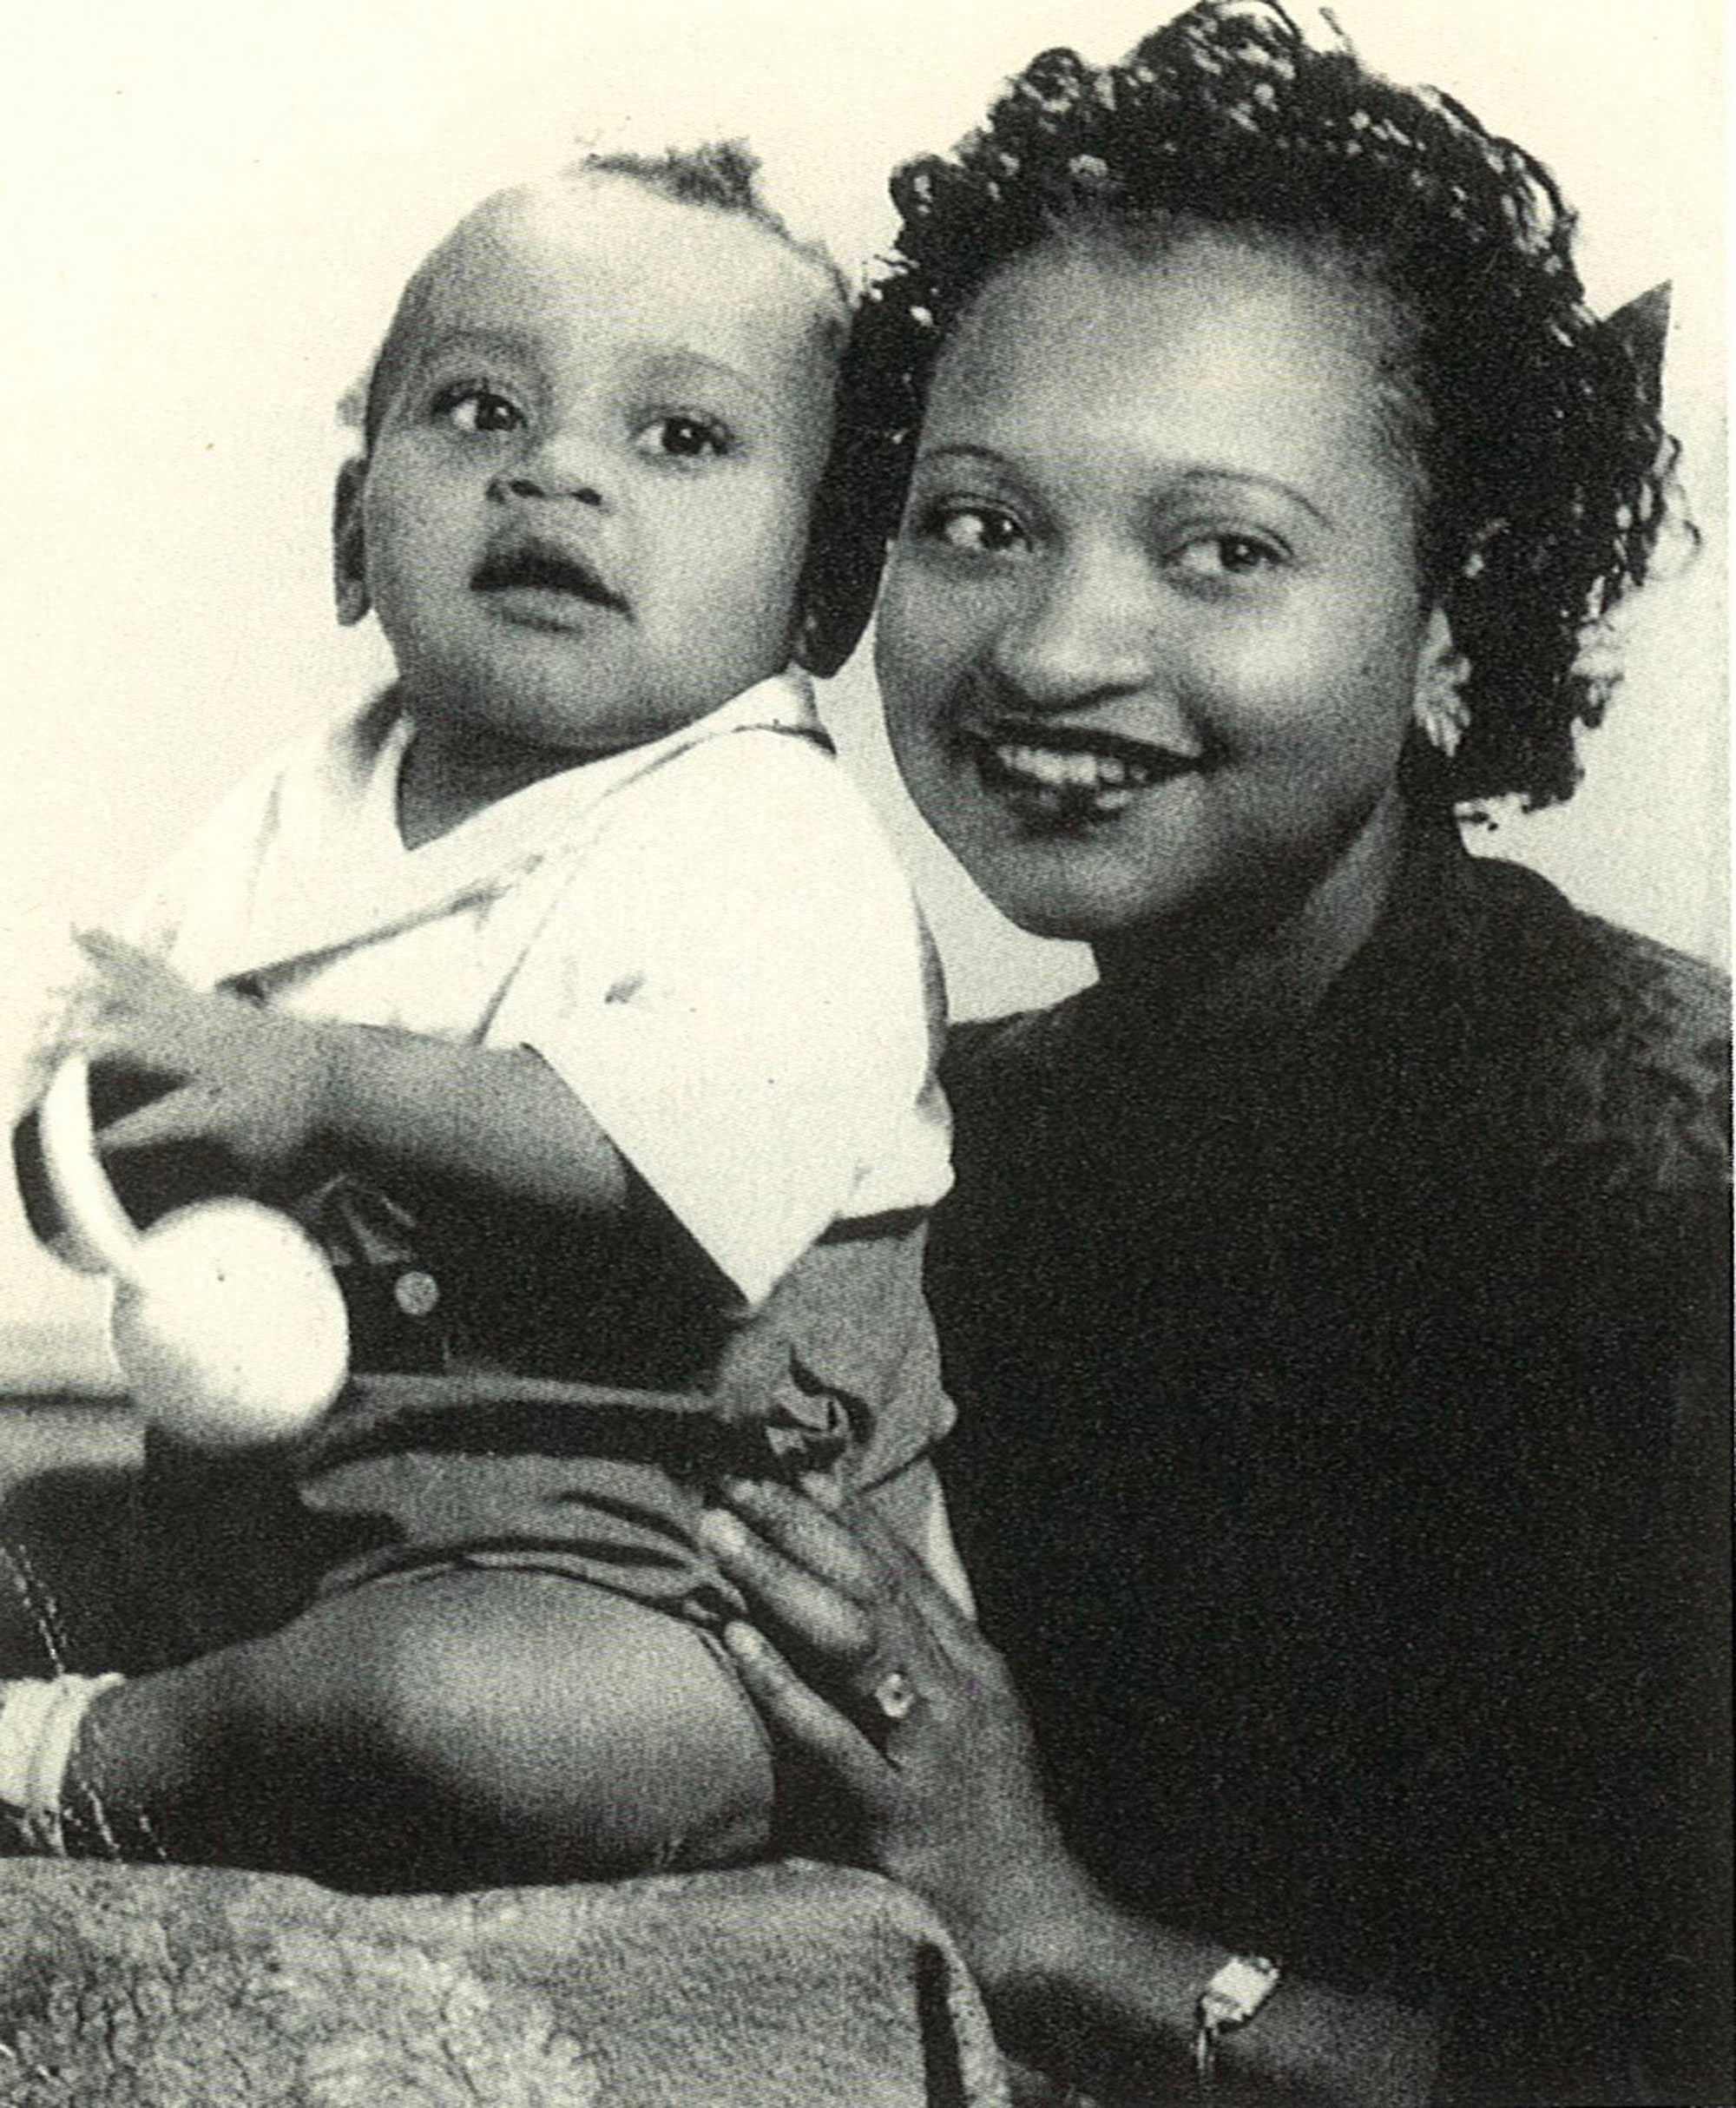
856	1548
913	1730
794	1709
806	1608
804	1529
903	1571
851	1606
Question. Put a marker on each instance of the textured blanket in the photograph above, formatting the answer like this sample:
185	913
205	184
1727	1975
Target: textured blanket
784	1986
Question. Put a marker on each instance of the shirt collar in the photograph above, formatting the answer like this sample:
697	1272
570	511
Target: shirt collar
342	823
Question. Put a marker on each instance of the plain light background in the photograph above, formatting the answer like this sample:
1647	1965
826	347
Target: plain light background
210	209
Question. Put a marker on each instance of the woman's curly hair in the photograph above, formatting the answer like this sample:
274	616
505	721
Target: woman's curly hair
1535	430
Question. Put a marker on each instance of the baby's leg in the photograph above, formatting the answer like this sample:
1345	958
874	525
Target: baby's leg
456	1729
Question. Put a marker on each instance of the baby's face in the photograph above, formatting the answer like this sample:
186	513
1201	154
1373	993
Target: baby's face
583	516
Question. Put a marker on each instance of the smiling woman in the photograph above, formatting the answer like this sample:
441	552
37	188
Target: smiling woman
1151	666
1335	1295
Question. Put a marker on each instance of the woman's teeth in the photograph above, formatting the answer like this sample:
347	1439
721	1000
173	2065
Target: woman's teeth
1067	785
1074	769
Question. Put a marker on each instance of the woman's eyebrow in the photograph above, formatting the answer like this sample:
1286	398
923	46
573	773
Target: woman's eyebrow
1255	479
966	450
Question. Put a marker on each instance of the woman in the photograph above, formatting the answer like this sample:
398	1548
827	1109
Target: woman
1333	1294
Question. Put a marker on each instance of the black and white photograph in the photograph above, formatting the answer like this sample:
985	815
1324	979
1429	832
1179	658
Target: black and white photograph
868	1057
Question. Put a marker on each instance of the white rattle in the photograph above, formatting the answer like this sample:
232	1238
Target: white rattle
226	1321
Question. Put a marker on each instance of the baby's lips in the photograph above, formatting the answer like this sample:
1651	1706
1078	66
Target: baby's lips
540	567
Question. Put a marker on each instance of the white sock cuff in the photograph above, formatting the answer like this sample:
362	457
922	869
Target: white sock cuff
39	1724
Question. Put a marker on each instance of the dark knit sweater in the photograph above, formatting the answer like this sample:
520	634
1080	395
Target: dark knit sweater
1342	1462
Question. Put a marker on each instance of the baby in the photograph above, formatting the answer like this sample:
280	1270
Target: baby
569	995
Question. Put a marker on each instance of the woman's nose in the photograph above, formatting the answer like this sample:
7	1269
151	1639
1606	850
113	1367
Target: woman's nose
560	464
1084	629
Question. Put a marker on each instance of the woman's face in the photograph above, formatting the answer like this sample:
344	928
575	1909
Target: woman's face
1153	627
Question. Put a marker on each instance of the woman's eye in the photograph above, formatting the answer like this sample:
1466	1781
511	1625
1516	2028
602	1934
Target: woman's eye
980	531
471	406
684	439
1228	555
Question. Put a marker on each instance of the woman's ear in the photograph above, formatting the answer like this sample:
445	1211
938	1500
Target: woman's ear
1438	709
349	551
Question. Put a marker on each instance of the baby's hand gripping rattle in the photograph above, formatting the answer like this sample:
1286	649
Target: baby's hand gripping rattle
227	1322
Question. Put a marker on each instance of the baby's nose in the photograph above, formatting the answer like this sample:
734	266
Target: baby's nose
562	465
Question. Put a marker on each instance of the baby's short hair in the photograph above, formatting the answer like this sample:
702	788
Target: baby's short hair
842	571
725	174
720	175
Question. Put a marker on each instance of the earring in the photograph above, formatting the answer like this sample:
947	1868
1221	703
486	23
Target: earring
1441	713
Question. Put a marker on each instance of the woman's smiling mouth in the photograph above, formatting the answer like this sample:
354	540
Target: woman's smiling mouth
1070	774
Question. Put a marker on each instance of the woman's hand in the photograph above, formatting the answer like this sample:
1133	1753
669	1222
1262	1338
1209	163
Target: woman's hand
911	1717
882	1686
250	1081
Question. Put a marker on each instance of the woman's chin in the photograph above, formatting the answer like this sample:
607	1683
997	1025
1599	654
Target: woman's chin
1077	886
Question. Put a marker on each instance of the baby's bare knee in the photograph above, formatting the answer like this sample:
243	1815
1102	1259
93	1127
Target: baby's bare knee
554	1730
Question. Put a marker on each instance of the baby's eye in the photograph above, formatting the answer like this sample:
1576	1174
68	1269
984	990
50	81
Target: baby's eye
680	437
472	405
976	529
1228	555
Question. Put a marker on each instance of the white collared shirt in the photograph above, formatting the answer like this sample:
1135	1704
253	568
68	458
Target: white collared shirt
707	938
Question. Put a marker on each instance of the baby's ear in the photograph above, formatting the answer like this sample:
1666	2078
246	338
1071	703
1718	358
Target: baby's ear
349	551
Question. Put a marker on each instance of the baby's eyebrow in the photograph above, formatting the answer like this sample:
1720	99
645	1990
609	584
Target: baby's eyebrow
670	365
658	363
502	344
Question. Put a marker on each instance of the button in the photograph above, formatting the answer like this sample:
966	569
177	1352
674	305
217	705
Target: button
416	1292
